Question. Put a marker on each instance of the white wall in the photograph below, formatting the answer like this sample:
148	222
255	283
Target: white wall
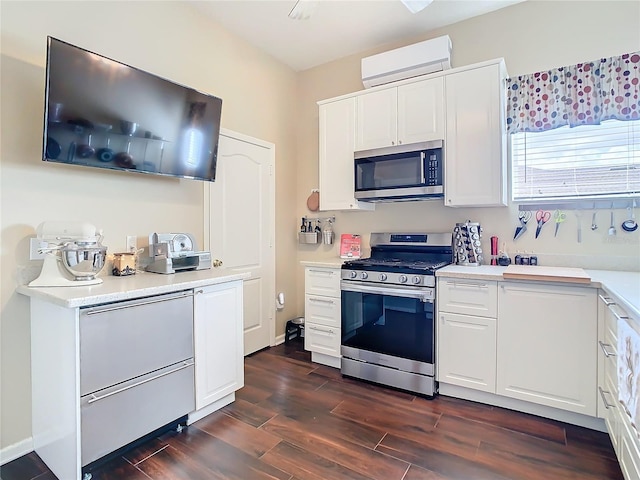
530	36
164	38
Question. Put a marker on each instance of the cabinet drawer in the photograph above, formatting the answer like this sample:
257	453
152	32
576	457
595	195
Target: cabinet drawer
322	339
468	297
322	281
322	310
128	339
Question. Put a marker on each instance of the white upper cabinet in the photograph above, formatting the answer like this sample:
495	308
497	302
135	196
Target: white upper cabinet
421	111
476	144
377	119
336	166
410	113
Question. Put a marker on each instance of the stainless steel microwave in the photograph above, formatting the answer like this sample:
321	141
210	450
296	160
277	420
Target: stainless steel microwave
400	173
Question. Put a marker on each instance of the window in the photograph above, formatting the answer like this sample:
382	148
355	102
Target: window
583	162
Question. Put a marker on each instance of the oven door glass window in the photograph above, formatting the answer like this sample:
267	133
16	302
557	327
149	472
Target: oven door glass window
393	325
389	171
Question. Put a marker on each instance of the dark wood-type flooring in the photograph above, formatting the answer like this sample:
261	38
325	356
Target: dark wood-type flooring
297	420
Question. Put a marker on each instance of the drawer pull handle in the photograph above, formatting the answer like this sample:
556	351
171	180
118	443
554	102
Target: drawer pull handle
464	284
321	330
321	300
607	301
111	308
607	405
322	272
95	398
604	346
615	314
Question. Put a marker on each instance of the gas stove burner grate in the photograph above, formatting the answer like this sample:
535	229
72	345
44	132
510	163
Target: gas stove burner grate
397	264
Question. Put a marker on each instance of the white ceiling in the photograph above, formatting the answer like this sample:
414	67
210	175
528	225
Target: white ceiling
337	28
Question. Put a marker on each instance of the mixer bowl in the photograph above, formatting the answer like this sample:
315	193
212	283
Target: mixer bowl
83	262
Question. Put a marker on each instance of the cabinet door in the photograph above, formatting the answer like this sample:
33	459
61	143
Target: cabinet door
219	352
546	339
336	166
475	149
467	351
377	119
421	111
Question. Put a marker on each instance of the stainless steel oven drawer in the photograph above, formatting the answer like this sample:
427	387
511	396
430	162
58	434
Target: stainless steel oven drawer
113	417
128	339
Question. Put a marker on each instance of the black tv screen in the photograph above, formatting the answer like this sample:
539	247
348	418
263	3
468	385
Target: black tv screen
103	113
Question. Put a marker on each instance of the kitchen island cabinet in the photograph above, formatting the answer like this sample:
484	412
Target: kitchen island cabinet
56	313
218	341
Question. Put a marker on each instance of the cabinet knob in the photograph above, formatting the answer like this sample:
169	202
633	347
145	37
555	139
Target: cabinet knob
199	291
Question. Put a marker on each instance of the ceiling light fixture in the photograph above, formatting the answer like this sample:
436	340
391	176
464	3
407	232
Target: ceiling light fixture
303	9
414	6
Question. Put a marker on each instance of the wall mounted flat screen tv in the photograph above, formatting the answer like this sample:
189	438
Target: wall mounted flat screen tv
103	113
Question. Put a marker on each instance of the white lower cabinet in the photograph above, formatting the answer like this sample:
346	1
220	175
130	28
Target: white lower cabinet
322	315
623	436
219	352
546	338
476	337
466	333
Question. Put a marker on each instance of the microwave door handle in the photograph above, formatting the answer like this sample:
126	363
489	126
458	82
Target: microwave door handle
422	158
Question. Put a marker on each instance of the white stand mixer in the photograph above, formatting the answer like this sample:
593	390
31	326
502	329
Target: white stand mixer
73	254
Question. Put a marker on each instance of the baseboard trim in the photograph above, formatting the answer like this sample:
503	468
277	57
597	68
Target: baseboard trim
279	339
209	409
17	450
522	406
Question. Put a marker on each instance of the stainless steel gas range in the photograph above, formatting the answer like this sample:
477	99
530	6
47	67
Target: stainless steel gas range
388	310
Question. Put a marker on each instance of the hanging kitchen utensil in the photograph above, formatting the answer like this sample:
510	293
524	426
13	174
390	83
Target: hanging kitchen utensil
524	217
612	228
559	216
542	217
594	225
579	218
313	202
630	225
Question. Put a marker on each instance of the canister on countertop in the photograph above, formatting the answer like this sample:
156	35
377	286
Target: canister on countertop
124	264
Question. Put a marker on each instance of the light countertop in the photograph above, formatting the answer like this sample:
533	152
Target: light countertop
331	263
625	286
142	284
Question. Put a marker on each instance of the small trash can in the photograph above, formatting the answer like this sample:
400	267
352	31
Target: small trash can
294	329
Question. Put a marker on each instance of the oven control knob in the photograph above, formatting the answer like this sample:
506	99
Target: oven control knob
402	278
382	277
364	275
353	274
416	280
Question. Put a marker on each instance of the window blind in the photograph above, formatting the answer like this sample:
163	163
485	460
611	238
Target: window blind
584	162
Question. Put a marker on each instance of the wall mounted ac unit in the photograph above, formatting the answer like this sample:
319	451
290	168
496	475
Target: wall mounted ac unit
406	62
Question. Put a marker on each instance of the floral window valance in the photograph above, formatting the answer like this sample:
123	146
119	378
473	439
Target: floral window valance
582	94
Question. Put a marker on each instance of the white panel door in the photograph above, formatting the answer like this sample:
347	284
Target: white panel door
241	228
547	340
377	119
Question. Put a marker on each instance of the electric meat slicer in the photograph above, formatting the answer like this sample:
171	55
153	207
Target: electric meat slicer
175	252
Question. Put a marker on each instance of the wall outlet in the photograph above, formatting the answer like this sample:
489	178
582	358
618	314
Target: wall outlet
131	245
34	245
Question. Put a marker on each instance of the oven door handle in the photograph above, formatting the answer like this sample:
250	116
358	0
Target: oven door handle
395	292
